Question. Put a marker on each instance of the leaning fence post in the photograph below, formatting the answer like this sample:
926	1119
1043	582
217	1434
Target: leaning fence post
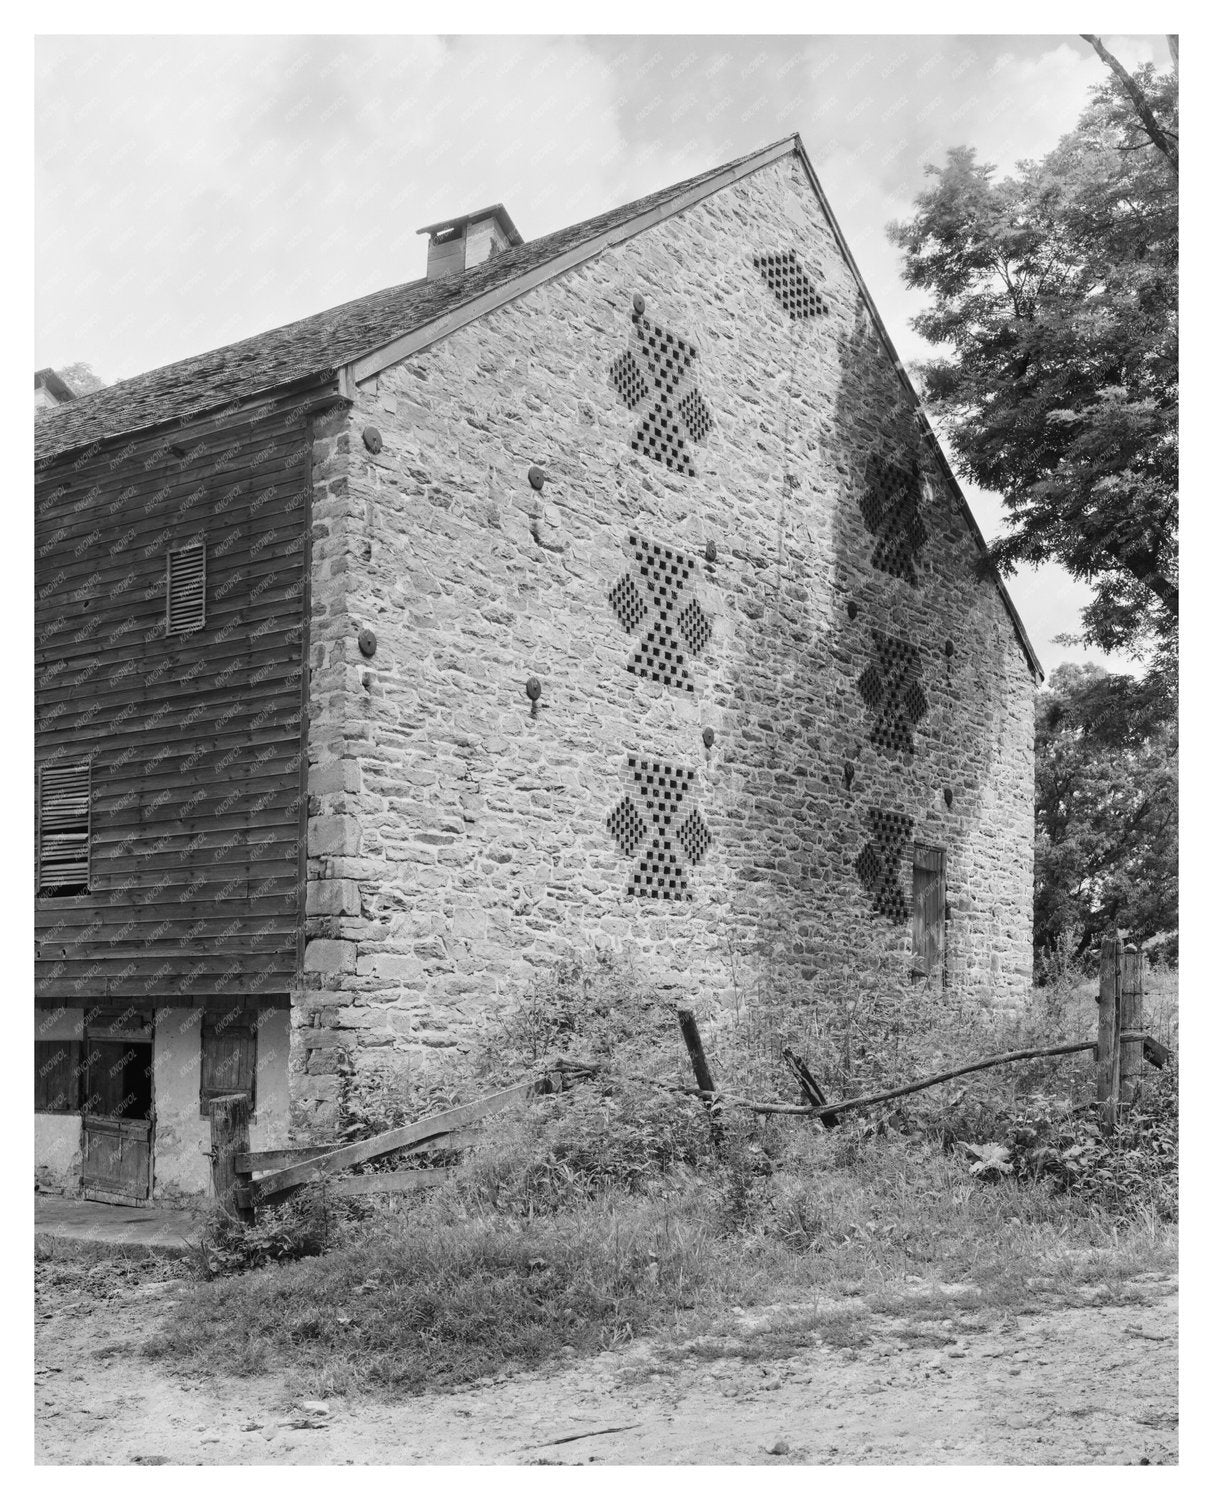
703	1075
1131	996
230	1137
1107	1051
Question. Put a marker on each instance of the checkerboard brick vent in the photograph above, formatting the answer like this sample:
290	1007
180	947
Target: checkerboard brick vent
668	839
879	863
673	629
656	375
891	686
889	507
786	277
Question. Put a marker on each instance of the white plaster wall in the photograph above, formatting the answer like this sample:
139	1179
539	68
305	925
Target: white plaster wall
57	1147
182	1135
271	1120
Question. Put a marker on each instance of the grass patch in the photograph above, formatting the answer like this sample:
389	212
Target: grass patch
443	1293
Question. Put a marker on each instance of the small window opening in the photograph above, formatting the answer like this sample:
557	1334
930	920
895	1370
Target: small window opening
64	819
229	1055
186	589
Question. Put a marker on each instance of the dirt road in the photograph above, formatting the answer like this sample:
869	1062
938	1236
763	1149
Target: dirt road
1084	1385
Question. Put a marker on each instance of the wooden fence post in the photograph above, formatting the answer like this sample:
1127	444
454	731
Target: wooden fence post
1107	1051
230	1137
703	1075
1132	991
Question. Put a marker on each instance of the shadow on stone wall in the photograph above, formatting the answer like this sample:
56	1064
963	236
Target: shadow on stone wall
803	775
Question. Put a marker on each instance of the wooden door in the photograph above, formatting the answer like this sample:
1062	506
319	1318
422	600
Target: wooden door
117	1160
118	1124
930	909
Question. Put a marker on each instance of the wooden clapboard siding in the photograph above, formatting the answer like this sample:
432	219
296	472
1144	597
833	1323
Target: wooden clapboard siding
195	739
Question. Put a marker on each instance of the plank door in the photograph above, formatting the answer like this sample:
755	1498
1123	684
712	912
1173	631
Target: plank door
118	1116
930	908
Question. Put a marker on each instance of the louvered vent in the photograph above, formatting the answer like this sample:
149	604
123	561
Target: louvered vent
186	589
63	830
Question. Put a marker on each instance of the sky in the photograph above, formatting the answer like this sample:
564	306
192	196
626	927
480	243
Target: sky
190	191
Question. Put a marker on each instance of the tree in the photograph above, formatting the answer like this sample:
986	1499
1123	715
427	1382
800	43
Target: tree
81	377
1107	813
1056	292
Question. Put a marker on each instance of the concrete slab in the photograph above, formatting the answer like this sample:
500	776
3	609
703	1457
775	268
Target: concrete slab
160	1230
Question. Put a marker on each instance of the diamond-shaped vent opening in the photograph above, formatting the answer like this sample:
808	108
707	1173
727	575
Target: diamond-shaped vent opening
786	277
625	600
889	506
659	873
655	374
672	634
695	626
694	836
628	379
879	862
626	826
696	417
891	687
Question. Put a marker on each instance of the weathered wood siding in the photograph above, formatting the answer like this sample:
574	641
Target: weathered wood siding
195	739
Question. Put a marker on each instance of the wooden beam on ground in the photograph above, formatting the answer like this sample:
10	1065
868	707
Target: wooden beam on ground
395	1140
409	1180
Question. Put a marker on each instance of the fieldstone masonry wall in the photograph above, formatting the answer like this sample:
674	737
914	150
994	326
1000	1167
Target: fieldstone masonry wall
854	670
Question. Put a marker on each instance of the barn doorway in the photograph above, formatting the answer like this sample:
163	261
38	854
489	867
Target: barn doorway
118	1115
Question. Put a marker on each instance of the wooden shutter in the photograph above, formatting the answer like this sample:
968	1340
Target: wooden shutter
56	1077
186	589
229	1057
64	800
930	905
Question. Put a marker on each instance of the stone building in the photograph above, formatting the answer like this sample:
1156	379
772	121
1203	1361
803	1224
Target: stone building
603	592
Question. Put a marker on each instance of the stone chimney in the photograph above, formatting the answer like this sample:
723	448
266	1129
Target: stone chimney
458	244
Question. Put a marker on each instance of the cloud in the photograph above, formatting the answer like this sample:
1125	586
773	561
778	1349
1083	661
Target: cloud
191	191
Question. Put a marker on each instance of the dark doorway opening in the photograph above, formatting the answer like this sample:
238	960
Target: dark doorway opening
118	1107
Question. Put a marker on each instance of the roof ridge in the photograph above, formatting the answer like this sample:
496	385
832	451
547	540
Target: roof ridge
519	258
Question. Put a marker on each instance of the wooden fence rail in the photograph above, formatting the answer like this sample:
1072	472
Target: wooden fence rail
1155	1053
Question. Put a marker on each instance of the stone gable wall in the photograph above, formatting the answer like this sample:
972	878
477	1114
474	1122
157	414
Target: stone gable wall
457	839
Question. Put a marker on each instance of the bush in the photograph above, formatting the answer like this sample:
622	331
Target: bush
308	1223
593	1009
572	1148
1137	1164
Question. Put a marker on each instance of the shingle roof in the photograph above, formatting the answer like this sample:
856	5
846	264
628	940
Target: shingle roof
317	345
